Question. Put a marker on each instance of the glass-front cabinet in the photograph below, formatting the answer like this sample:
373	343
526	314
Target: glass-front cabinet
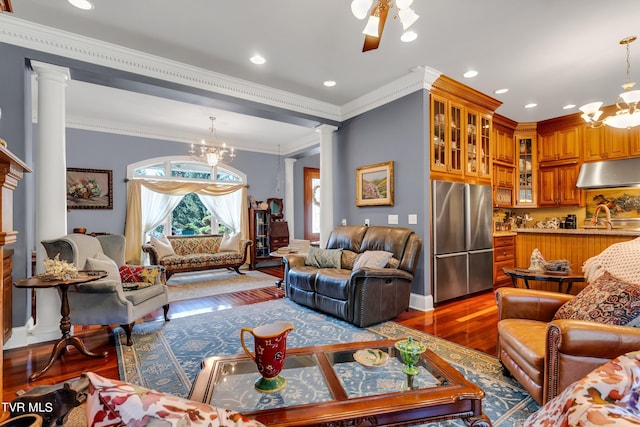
526	165
259	222
446	146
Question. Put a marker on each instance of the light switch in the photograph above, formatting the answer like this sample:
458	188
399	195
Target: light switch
392	219
343	222
413	219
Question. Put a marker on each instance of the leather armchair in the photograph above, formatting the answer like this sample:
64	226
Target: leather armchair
545	355
104	302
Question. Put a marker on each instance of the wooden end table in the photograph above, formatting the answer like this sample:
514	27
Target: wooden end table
327	387
65	322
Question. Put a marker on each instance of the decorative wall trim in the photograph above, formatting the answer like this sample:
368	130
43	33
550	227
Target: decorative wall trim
29	35
419	78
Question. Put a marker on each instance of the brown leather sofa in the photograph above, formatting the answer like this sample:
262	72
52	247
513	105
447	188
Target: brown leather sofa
363	296
547	356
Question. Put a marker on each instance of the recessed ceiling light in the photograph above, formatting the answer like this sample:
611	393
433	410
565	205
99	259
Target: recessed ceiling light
531	105
257	59
408	36
81	4
329	83
569	106
469	74
501	91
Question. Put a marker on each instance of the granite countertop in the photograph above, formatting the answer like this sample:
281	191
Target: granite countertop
584	231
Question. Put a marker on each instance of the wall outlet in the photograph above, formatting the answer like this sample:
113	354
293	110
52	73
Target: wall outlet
343	222
366	221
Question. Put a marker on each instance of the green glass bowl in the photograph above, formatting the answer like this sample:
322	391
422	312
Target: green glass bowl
410	352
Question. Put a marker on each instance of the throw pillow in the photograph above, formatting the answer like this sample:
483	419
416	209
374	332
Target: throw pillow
323	258
104	263
162	246
117	403
230	243
372	259
606	300
139	276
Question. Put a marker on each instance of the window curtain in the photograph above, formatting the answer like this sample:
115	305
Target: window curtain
226	208
134	226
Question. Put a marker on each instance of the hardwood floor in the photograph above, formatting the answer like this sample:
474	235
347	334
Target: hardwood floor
470	322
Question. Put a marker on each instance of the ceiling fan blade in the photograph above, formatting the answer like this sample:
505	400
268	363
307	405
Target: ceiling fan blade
370	42
5	6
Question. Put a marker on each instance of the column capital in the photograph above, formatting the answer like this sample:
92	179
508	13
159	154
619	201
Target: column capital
326	129
51	71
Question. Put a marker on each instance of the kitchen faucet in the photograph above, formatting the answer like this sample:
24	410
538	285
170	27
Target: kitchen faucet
594	219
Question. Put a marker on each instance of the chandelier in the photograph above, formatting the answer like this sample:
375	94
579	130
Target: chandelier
213	154
378	17
626	115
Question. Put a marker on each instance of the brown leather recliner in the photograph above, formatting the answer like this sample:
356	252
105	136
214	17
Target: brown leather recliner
547	356
362	296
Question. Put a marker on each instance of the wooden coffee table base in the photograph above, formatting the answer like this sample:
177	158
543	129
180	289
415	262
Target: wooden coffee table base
439	392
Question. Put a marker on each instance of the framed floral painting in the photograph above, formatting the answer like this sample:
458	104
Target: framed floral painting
374	185
89	189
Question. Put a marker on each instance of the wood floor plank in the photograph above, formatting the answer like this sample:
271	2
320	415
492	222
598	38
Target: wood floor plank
470	322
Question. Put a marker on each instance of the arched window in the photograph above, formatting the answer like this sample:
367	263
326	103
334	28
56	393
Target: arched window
161	183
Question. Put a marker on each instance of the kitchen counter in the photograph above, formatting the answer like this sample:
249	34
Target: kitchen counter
581	231
504	233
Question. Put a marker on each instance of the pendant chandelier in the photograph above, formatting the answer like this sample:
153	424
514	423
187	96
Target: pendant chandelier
378	16
627	115
212	153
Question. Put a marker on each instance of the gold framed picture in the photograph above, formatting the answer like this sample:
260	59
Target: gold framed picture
374	185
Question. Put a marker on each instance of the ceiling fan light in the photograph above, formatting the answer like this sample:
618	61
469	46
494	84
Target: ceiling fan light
371	29
360	8
408	36
403	4
591	108
408	17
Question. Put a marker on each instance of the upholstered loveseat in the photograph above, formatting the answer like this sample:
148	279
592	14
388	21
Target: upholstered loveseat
196	253
340	280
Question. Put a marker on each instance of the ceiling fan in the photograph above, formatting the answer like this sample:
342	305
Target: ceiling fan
5	6
378	17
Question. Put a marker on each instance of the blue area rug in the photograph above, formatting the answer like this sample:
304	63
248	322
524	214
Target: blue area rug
167	356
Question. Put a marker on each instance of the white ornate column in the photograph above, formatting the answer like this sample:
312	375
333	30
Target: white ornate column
289	198
51	193
326	181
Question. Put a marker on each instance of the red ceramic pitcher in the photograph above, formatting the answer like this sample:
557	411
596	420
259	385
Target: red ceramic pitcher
270	343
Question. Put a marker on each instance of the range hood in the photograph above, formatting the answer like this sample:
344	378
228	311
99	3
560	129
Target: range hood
610	173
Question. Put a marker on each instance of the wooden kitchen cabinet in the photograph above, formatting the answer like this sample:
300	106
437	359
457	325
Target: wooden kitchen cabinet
557	185
526	166
606	143
563	144
504	256
504	146
461	132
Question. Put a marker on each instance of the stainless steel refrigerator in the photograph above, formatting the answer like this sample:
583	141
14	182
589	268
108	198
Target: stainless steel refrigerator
462	239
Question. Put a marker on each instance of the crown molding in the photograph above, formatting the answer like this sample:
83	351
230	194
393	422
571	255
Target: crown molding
29	35
37	37
419	78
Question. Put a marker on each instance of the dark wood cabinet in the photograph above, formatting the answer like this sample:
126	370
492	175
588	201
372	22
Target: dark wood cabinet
278	235
259	222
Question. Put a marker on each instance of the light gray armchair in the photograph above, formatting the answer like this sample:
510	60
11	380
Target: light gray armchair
105	302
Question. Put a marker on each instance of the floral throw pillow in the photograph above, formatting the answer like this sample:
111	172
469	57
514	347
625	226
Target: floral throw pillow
117	403
606	300
139	273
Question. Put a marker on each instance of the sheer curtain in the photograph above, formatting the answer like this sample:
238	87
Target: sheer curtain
140	216
226	208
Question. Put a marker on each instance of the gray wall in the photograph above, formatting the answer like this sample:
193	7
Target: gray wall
396	131
97	150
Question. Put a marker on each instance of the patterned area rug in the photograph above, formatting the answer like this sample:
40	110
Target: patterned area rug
200	284
167	356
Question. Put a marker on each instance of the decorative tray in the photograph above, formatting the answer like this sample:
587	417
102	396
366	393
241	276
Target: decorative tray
371	357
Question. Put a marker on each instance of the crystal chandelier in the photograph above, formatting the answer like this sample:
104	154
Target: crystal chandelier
378	16
626	115
213	154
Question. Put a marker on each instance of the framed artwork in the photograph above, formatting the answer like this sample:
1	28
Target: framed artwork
374	185
5	6
89	189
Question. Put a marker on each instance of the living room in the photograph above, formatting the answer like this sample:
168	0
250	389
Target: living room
372	136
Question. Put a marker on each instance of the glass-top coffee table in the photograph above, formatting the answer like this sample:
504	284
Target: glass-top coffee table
327	387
